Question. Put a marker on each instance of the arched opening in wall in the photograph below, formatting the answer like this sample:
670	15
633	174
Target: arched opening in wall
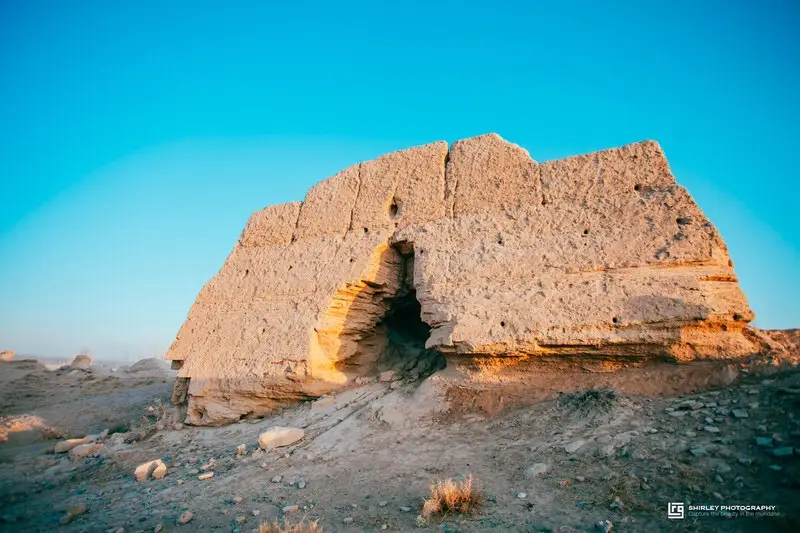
404	330
376	325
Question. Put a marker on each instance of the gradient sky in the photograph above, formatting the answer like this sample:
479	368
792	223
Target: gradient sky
136	138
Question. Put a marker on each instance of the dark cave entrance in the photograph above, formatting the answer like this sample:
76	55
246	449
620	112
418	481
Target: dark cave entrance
405	334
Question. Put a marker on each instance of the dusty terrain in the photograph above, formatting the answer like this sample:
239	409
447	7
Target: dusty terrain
370	453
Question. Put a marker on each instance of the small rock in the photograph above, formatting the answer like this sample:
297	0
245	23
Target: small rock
348	520
193	471
711	429
690	434
617	503
277	437
193	460
745	461
574	446
72	512
718	479
722	468
209	465
241	449
237	500
84	450
753	405
255	512
739	413
395	385
786	451
277	479
384	527
718	496
67	445
155	468
82	361
580	479
764	442
158	528
697	451
185	518
383	503
241	520
386	377
535	470
301	485
177	426
776	468
6	355
207	475
405	508
291	509
677	414
521	495
605	526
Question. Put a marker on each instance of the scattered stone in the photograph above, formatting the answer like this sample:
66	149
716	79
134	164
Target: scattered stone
301	485
185	518
209	465
324	401
363	380
574	446
580	479
739	413
84	450
6	356
241	449
723	468
776	468
711	429
752	391
386	377
697	451
237	500
156	469
177	426
277	479
291	509
72	512
241	520
278	437
193	460
405	508
521	495
67	445
718	496
718	479
207	475
745	461
753	405
677	414
193	471
605	526
348	520
395	385
384	503
617	503
764	442
535	470
158	528
255	512
786	451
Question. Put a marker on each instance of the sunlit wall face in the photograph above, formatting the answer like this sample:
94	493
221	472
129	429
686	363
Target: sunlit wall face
136	141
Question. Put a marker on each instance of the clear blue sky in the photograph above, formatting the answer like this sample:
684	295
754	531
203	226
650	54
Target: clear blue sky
137	137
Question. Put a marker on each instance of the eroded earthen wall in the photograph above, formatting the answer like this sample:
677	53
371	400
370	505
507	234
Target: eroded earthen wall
600	254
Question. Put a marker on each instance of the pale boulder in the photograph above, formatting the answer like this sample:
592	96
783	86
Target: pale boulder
155	469
67	445
278	437
6	356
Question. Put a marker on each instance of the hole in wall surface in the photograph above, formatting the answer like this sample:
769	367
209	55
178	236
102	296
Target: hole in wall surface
637	187
366	230
615	320
586	231
397	341
394	208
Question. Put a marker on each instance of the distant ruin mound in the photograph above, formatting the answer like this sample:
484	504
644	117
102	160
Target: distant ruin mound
472	255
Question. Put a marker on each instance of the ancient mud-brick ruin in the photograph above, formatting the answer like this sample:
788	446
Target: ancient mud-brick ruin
429	257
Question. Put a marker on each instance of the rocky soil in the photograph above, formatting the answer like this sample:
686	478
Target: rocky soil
366	457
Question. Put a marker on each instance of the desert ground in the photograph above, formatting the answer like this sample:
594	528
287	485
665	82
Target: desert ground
585	457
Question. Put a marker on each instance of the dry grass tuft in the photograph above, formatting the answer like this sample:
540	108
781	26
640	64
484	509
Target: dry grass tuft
301	527
157	417
449	496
